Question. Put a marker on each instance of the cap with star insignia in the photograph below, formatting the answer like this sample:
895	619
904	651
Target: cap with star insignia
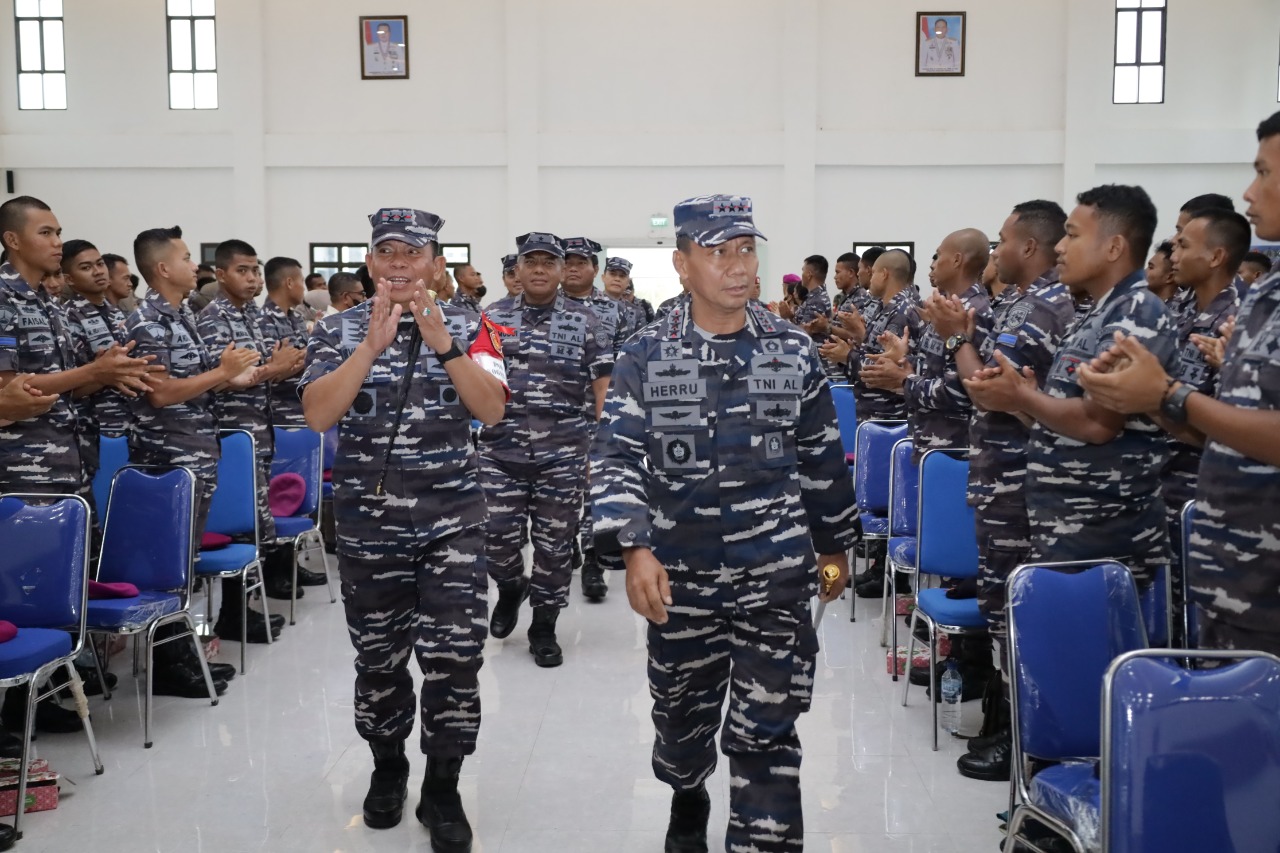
405	225
710	220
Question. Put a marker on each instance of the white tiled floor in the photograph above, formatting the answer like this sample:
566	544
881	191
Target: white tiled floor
563	762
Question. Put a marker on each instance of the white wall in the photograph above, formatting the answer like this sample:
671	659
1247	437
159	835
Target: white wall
588	116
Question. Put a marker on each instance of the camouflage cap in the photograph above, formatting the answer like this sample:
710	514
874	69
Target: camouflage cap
582	246
620	264
540	241
509	262
710	220
405	225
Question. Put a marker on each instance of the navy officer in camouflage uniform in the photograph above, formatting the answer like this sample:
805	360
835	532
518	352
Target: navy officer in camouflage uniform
1235	558
402	377
1093	475
282	326
718	471
510	279
534	462
41	454
1028	326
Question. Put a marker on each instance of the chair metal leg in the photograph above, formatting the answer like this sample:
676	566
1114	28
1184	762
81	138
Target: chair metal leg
74	679
891	609
25	761
884	601
146	696
293	591
97	665
935	701
853	572
204	664
244	618
911	650
135	655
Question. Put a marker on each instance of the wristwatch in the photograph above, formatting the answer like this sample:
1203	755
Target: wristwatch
1174	405
955	342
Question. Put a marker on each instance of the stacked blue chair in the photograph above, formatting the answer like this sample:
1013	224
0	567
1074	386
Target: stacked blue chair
1067	623
847	420
45	540
147	541
232	512
113	454
300	451
904	491
1191	757
947	547
875	440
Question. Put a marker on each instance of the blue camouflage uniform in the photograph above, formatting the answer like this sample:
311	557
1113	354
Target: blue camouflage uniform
465	302
277	325
938	407
631	315
410	555
817	303
1235	541
1028	328
222	323
182	433
665	306
721	454
534	462
40	454
893	316
1086	501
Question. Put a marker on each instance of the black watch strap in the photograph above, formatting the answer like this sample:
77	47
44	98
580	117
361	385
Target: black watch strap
1174	407
453	352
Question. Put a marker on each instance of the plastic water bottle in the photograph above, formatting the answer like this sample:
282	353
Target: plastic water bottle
952	687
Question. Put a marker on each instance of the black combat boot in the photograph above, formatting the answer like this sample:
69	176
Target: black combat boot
277	572
990	756
687	831
440	809
593	583
542	636
506	613
388	784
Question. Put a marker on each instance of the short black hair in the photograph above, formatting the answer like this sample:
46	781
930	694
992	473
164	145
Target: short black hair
819	264
1208	201
150	244
366	281
73	248
1269	127
277	270
227	251
341	282
870	256
13	213
1044	220
1125	210
111	260
1227	230
204	268
683	243
1260	258
309	277
850	260
1165	248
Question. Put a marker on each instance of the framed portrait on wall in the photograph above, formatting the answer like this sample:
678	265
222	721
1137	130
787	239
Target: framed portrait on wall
384	47
940	38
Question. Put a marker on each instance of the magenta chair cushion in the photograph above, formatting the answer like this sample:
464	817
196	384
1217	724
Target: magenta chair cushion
285	494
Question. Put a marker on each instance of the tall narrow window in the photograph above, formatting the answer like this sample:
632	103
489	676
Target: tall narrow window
1140	29
42	69
193	55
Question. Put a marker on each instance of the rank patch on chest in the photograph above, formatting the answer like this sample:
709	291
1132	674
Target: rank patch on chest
773	446
680	369
678	452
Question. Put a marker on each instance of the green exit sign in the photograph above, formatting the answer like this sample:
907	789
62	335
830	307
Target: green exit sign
658	221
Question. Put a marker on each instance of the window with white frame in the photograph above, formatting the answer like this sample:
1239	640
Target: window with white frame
193	55
330	258
42	68
1140	46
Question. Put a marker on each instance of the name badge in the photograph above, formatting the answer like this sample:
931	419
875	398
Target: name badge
693	389
571	331
774	385
678	416
99	335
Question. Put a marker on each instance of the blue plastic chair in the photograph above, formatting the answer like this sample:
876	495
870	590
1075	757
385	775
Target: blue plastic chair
147	540
300	451
113	454
45	540
904	489
1191	757
847	420
1189	613
947	548
1067	623
233	512
875	440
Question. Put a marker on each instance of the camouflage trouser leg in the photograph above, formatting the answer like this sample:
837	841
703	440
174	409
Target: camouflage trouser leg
266	524
550	497
764	660
1216	634
431	602
1004	543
